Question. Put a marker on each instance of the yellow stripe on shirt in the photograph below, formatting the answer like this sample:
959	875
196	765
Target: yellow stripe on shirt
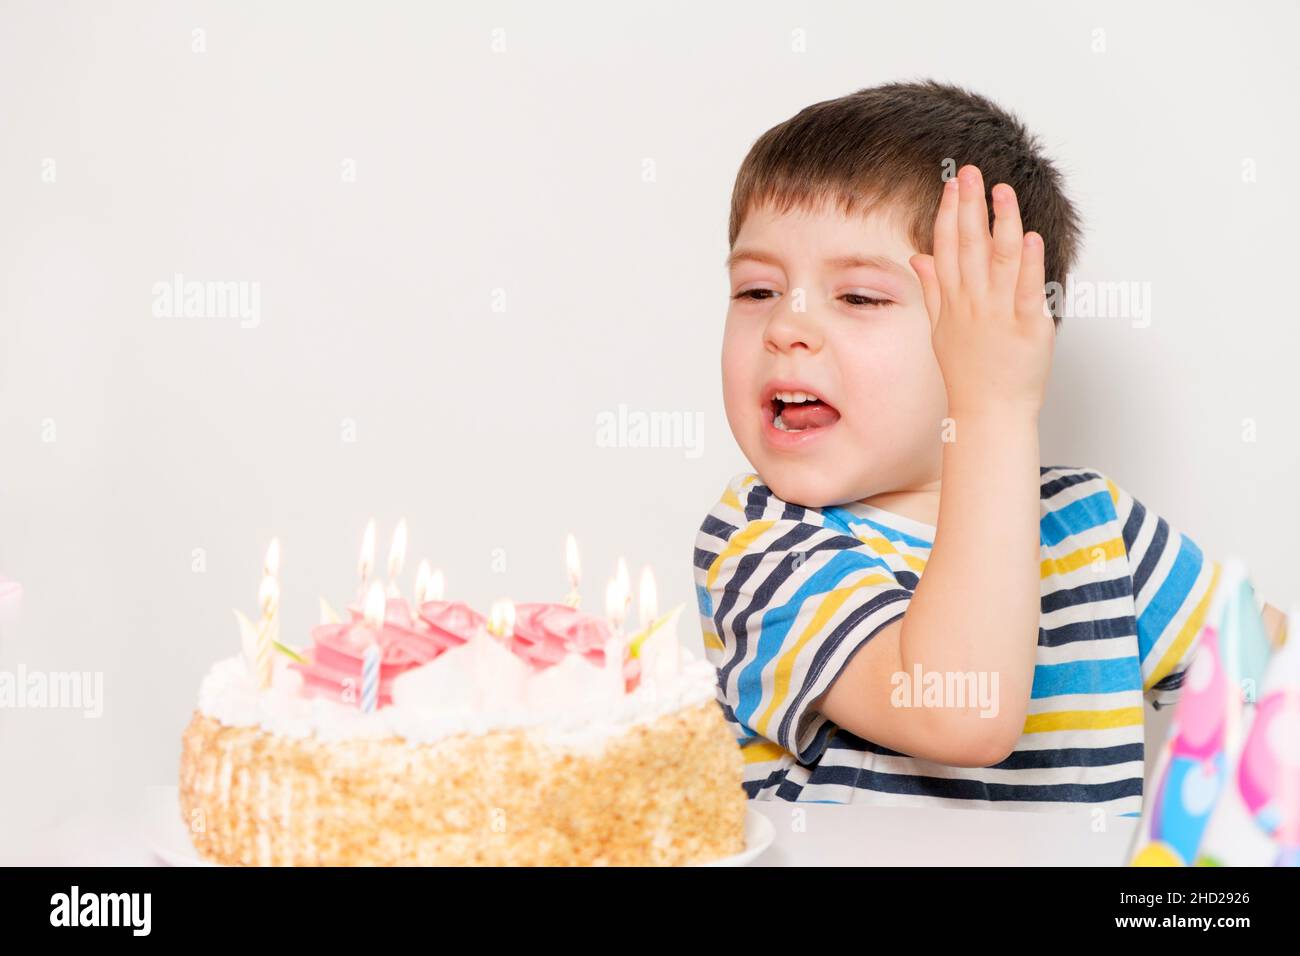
884	546
1081	557
1186	634
739	544
830	603
1083	720
731	501
761	751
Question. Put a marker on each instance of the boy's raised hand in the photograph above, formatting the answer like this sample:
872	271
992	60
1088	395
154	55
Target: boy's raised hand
991	331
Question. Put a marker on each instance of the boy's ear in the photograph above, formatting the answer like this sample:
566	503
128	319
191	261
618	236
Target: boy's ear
924	267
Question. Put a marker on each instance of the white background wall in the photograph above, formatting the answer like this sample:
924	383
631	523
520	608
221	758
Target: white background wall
521	170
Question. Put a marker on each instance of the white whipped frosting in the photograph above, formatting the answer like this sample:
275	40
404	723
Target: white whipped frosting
476	687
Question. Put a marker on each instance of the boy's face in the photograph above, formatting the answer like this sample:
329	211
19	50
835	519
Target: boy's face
804	316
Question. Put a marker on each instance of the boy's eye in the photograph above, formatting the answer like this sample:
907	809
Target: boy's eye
854	298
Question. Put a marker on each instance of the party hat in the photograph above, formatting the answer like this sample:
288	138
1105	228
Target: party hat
1208	726
1257	821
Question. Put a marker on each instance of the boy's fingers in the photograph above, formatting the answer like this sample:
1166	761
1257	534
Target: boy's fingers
1004	265
924	266
945	241
973	231
1031	296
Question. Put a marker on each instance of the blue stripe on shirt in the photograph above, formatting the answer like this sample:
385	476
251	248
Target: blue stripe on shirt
1081	515
777	621
1106	676
1155	617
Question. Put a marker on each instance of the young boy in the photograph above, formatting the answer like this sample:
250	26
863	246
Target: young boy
990	646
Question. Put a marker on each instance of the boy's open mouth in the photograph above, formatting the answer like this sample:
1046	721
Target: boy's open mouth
797	411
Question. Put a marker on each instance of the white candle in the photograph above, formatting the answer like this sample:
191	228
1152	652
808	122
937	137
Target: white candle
375	609
615	605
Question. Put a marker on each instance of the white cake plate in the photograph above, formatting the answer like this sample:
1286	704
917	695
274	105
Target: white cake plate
169	839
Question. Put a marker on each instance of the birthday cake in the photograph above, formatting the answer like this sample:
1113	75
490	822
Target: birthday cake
426	733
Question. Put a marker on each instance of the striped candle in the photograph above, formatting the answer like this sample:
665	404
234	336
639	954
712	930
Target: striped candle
269	598
370	679
373	614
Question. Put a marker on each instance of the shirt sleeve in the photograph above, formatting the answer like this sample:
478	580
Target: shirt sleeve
789	601
1173	587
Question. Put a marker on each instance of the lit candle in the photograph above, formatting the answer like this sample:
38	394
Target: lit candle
423	581
271	566
268	596
574	567
366	564
396	558
648	607
501	619
615	605
370	659
373	613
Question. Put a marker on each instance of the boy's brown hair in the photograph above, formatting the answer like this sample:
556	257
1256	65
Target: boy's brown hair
891	146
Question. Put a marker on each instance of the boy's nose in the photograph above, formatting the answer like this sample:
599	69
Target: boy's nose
793	324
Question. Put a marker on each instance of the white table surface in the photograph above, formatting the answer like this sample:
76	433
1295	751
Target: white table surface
807	834
859	834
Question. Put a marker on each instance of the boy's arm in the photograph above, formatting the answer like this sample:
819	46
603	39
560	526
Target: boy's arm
977	605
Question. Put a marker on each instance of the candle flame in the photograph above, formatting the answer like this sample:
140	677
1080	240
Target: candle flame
367	561
571	562
423	578
271	567
397	551
268	596
649	603
501	620
376	606
436	585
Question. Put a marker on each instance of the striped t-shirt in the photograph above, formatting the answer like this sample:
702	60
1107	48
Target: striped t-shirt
788	593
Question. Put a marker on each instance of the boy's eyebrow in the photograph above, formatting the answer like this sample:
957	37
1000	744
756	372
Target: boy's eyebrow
884	263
